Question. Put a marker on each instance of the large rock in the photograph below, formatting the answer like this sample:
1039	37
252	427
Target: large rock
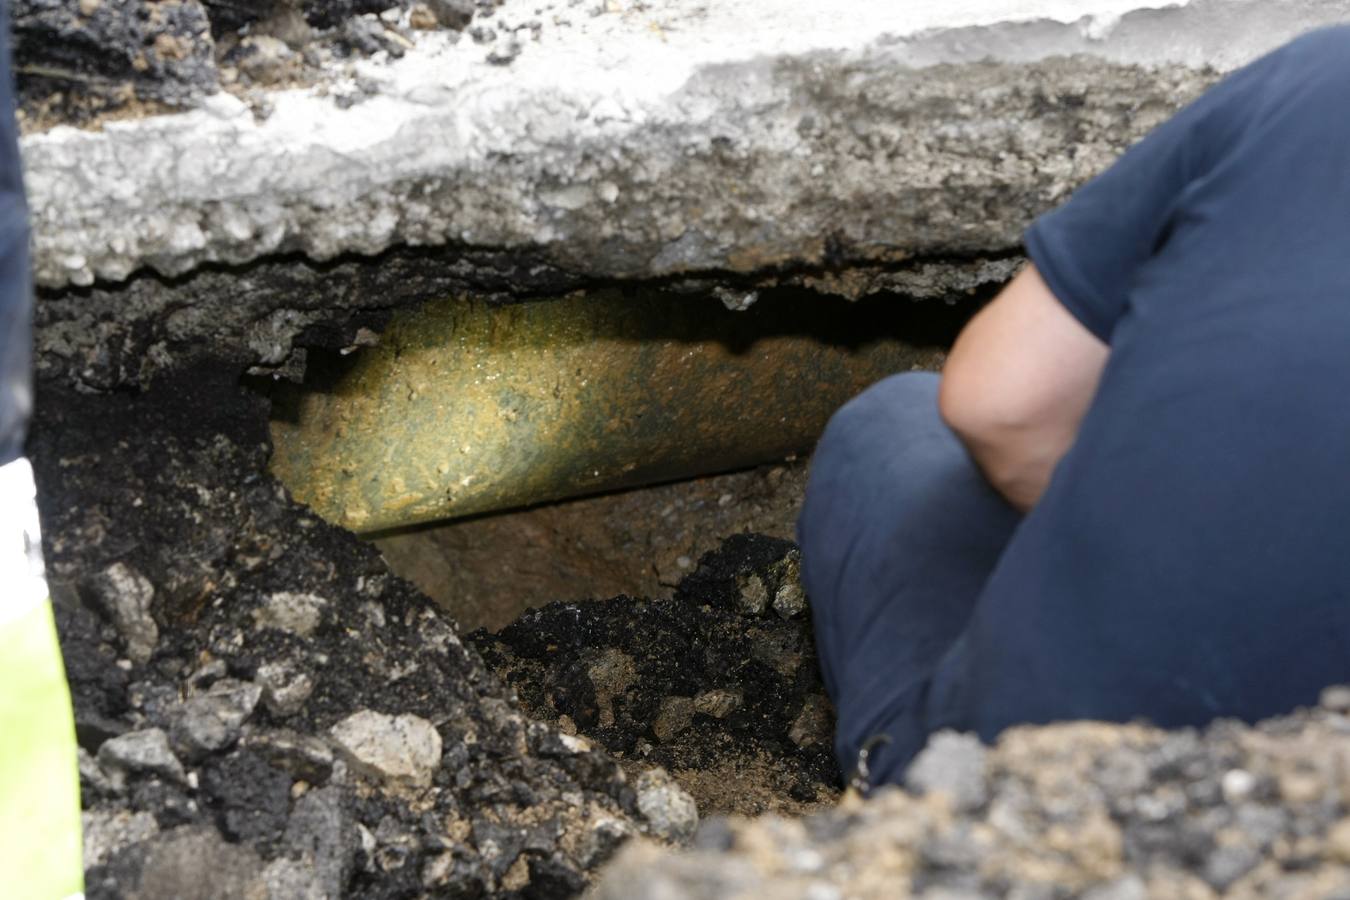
657	139
109	831
213	720
669	810
125	596
195	863
143	752
403	748
322	834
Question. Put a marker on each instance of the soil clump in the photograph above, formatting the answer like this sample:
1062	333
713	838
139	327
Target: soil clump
718	685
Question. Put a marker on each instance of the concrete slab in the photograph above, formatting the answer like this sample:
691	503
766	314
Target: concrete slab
635	139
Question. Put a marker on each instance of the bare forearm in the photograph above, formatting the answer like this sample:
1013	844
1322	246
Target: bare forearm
1017	385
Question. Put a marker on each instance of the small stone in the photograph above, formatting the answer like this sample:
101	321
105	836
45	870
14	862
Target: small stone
952	764
421	17
196	863
1128	887
574	743
93	777
367	840
142	752
605	835
1261	825
1237	785
368	35
109	831
789	600
284	689
89	7
438	869
670	812
516	878
754	594
717	703
454	14
814	724
290	879
323	834
404	748
675	716
212	721
125	596
207	674
1229	863
264	59
300	755
291	611
504	53
482	34
1300	788
1338	842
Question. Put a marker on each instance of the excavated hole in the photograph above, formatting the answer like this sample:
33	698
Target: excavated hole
183	573
488	568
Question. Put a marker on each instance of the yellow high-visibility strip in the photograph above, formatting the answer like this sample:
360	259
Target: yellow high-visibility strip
39	774
40	852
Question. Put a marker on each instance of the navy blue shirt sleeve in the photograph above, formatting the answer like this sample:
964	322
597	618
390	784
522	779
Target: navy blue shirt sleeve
1090	249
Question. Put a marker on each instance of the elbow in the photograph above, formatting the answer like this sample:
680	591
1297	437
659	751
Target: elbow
966	409
1000	438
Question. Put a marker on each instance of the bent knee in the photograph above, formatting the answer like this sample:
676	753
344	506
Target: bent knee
881	416
864	442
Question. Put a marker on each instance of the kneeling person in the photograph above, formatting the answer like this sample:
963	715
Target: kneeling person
1126	497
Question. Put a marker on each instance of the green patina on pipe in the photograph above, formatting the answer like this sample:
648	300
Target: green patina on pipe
465	408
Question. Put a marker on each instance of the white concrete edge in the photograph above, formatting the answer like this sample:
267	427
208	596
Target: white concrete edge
216	184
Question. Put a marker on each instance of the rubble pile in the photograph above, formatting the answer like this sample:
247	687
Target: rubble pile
253	689
1092	810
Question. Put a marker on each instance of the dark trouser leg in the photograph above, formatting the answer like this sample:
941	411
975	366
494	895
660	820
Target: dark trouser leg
898	534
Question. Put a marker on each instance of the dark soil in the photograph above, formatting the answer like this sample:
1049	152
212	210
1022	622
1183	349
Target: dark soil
714	685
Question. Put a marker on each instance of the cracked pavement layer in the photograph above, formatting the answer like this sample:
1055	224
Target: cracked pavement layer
635	141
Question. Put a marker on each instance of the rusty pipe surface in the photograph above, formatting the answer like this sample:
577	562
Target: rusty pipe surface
465	408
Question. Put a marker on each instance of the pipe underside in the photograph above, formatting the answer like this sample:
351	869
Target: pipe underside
465	408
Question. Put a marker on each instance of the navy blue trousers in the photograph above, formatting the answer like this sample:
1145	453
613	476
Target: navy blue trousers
900	534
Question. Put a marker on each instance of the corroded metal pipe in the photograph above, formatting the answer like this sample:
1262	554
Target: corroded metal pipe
465	408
